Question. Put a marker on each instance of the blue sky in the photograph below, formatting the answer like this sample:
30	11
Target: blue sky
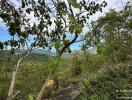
117	4
4	35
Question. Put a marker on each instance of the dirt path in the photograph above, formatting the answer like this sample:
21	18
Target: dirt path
71	92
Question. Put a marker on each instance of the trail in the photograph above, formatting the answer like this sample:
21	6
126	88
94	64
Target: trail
70	92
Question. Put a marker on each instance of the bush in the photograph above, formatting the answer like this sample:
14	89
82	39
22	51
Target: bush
106	85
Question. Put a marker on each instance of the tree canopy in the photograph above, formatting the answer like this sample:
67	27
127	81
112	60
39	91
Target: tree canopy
47	21
111	34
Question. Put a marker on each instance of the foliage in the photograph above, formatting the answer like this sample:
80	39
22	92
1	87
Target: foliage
98	73
48	25
100	78
46	15
106	84
111	34
31	75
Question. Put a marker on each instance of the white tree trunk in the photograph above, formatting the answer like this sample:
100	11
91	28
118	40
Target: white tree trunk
14	74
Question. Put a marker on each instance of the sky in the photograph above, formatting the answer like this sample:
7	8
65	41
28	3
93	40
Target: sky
111	4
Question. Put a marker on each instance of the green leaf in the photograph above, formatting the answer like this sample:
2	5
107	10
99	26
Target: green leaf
1	45
69	49
23	4
65	42
71	18
57	45
64	12
74	3
30	97
78	29
12	29
51	66
71	28
6	43
28	10
12	51
5	16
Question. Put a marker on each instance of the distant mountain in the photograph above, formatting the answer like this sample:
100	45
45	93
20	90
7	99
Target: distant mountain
42	51
38	54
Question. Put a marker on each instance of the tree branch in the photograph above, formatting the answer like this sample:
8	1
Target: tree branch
39	96
10	92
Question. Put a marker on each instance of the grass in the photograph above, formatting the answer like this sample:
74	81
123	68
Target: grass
100	78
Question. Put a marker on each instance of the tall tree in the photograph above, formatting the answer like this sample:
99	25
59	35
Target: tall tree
112	34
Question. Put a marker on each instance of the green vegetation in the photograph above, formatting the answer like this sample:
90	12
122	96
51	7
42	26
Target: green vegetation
43	24
99	77
81	75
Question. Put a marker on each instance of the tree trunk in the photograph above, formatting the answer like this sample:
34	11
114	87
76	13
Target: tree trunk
10	92
39	96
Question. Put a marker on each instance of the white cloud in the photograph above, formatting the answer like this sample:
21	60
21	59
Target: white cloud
111	4
16	3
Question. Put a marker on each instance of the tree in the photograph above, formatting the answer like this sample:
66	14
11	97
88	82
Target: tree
48	25
111	34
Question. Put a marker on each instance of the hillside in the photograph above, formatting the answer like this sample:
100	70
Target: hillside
85	78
